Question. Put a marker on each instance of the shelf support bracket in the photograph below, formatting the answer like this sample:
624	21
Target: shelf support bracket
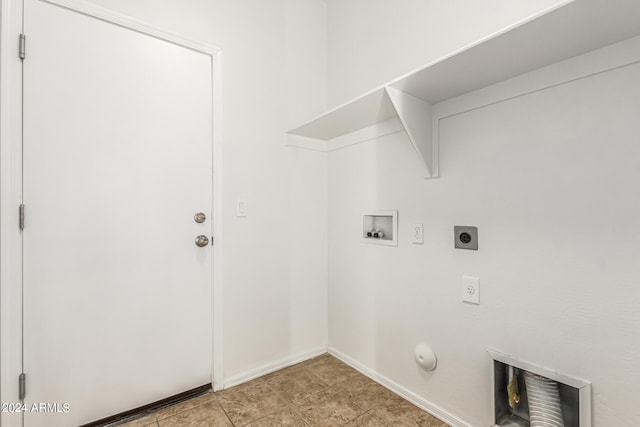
415	115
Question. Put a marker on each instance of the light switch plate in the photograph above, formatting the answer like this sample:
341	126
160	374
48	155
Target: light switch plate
241	208
471	289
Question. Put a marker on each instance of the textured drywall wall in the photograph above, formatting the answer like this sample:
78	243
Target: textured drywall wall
274	75
550	180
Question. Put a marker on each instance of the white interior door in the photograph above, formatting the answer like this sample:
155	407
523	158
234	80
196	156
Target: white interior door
117	160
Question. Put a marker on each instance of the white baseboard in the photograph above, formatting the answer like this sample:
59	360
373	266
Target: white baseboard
421	403
272	367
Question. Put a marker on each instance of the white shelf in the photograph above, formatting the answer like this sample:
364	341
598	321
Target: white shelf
573	28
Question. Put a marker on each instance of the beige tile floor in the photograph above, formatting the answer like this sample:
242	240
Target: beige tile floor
319	392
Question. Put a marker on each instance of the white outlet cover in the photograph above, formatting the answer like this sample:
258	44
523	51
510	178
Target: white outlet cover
471	289
241	208
417	233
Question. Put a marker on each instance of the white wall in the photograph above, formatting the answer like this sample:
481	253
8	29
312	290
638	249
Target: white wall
374	41
274	74
545	185
550	179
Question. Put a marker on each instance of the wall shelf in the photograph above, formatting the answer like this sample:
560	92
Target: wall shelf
572	28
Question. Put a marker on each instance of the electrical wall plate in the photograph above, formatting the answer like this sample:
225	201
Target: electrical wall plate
241	208
465	237
471	290
417	233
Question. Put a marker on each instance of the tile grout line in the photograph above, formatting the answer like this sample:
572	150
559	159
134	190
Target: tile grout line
228	417
384	423
352	402
334	388
266	383
291	405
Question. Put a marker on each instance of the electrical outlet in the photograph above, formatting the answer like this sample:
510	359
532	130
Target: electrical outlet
471	289
417	233
466	237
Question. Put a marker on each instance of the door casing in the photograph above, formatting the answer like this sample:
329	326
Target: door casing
11	18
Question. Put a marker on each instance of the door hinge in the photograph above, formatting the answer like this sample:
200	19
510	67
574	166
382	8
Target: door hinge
22	46
21	216
22	386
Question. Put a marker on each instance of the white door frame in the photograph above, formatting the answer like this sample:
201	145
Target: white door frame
11	24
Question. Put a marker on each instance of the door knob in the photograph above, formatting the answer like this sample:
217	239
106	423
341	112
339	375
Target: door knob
202	240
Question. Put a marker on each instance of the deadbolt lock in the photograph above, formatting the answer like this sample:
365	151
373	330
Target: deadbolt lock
200	217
